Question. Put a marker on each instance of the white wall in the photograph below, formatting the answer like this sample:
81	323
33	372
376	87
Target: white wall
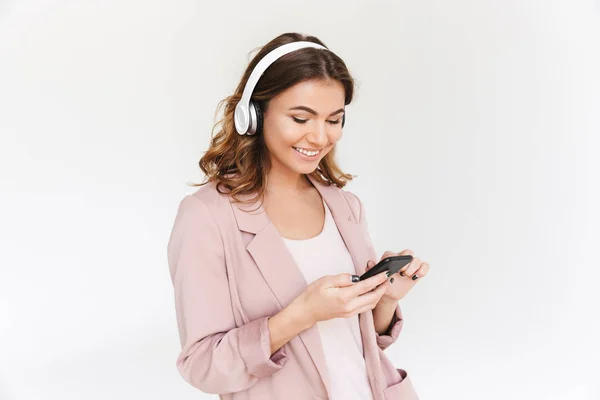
475	135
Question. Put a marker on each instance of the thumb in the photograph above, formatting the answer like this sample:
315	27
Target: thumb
370	264
341	280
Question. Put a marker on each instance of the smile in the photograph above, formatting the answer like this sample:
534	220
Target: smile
307	152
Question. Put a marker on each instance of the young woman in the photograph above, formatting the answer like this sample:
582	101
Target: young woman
265	255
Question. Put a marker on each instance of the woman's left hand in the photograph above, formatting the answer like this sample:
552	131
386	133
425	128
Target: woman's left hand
404	280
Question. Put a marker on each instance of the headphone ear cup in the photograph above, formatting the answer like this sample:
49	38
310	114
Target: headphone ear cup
254	118
259	117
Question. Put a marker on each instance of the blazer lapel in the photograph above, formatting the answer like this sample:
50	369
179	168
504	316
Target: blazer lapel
285	278
361	253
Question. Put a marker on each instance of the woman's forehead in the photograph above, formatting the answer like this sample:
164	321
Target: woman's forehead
324	95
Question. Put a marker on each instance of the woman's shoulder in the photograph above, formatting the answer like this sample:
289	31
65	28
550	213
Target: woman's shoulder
350	197
206	197
353	202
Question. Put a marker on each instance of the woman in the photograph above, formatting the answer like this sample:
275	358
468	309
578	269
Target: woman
265	255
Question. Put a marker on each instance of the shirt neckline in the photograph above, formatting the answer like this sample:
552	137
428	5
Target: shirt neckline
317	236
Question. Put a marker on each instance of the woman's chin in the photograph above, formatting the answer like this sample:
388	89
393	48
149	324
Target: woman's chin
304	169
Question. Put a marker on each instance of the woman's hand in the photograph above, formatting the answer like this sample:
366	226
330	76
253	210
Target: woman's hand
337	296
403	281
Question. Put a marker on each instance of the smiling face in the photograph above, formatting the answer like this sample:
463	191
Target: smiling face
302	124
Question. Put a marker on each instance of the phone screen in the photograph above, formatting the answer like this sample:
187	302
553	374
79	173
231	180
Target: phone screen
392	264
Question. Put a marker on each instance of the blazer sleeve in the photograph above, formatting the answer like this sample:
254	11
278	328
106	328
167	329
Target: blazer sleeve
391	335
216	356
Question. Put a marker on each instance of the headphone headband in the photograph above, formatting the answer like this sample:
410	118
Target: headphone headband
242	109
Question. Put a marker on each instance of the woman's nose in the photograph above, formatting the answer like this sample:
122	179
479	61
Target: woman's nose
319	135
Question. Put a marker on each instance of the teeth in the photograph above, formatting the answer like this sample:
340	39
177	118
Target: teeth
306	152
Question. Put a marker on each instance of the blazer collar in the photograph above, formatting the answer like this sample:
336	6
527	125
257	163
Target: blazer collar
252	221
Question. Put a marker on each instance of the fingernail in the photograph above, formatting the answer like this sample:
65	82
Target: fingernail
355	278
392	280
415	277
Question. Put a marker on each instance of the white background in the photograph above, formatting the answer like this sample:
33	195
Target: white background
475	135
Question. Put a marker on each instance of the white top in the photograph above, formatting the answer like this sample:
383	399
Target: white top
326	254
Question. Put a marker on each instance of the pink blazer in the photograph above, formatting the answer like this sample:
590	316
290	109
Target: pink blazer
231	271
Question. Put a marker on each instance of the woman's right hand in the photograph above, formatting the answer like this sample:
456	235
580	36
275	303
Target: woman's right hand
336	296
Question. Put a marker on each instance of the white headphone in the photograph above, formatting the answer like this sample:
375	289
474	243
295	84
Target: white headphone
248	115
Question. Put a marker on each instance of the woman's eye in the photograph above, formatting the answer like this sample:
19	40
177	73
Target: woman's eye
303	121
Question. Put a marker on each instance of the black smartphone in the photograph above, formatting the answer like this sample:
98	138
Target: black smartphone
392	264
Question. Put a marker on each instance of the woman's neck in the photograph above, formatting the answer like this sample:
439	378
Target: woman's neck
290	183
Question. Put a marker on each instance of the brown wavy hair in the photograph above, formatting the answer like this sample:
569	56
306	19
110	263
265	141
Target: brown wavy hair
240	163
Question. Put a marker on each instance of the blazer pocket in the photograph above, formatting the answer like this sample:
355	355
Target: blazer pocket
402	390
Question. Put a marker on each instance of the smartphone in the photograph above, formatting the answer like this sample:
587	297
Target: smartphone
392	264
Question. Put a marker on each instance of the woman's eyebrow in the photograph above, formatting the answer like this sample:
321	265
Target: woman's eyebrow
313	112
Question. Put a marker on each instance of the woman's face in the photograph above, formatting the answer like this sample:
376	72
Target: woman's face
306	118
